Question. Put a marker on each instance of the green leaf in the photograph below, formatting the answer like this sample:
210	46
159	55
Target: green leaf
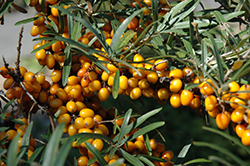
124	40
5	6
182	154
242	42
138	122
87	25
52	24
157	41
124	125
87	136
221	150
146	129
219	17
12	151
232	15
199	160
76	34
128	65
67	65
3	128
25	142
27	2
52	147
7	105
145	160
115	87
25	21
217	57
35	154
44	46
131	159
97	154
236	141
121	29
64	152
148	146
204	55
189	86
155	13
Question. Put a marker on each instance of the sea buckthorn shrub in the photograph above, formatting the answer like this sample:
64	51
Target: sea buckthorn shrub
137	52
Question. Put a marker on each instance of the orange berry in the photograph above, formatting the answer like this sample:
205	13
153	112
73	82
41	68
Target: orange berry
175	85
210	102
133	24
195	103
55	103
176	73
163	94
29	76
64	118
162	65
103	94
239	129
135	93
72	130
98	144
237	115
11	134
94	85
175	100
72	80
71	106
222	121
87	112
245	139
152	77
82	161
186	97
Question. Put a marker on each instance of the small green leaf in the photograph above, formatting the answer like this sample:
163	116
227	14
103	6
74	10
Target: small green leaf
7	105
121	29
204	55
155	13
145	160
146	129
191	86
25	21
148	146
35	154
221	150
118	162
217	56
138	122
52	146
13	151
219	17
64	152
76	33
182	154
131	159
232	15
124	40
27	2
67	65
96	153
115	87
124	125
44	46
199	160
5	6
3	128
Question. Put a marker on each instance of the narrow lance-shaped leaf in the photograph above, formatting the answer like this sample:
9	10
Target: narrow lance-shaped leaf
131	159
85	23
35	154
12	151
217	57
138	122
146	129
115	87
124	125
219	17
97	154
199	160
44	46
121	30
182	154
204	55
155	12
52	147
25	21
146	161
5	6
67	65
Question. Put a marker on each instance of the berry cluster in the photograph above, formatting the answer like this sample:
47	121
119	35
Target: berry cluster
78	102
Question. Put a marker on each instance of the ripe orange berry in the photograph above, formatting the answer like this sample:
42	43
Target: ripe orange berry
72	130
103	128
64	118
234	86
168	154
29	76
71	106
163	94
143	84
105	76
186	97
8	83
195	103
160	147
138	58
98	144
61	94
187	72
153	144
129	146
133	24
123	82
95	85
176	73
10	94
175	100
237	115
239	129
135	93
88	122
245	139
111	79
205	88
72	80
22	130
175	85
55	103
148	92
87	112
82	161
222	121
50	61
11	134
56	75
133	82
53	88
103	94
162	65
152	77
210	102
139	145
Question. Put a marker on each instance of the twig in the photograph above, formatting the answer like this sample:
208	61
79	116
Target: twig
19	53
29	114
90	7
52	122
